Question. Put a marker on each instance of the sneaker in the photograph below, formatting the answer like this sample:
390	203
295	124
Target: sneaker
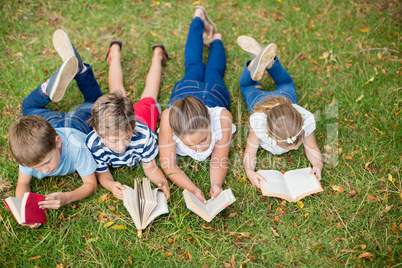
65	48
250	45
58	82
263	60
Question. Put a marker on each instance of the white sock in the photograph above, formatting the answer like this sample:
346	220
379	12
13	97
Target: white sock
44	86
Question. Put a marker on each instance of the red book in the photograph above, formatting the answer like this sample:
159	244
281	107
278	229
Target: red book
26	209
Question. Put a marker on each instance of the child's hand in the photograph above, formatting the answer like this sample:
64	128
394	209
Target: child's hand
255	178
215	191
54	200
116	188
32	225
316	171
200	195
164	186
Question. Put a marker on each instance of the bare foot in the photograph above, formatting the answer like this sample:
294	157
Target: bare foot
114	53
158	54
208	28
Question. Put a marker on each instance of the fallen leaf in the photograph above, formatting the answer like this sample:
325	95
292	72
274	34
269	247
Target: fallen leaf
300	204
102	199
367	164
314	62
349	157
365	30
119	227
102	217
196	3
352	194
170	240
393	227
370	80
206	227
391	179
168	254
279	1
387	208
367	255
337	188
359	98
232	260
34	258
231	215
275	232
226	265
110	223
112	208
324	56
362	246
277	218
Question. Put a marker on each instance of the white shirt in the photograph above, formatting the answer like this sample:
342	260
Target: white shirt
216	131
258	122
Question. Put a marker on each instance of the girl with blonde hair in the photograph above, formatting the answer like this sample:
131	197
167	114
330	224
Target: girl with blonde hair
277	123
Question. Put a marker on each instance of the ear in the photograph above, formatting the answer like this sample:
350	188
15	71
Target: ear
58	142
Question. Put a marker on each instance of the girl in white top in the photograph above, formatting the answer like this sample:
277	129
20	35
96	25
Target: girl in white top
277	123
197	122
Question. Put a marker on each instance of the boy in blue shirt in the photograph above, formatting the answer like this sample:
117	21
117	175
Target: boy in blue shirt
48	143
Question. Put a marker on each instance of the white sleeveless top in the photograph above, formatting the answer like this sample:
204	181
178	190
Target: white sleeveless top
216	131
258	122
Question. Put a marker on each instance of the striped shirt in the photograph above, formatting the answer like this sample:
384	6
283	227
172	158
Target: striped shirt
142	147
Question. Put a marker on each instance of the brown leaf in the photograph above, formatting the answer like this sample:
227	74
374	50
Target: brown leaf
367	255
277	218
232	261
168	254
34	258
112	208
275	232
352	194
337	188
365	30
314	62
231	215
226	265
393	227
102	217
170	240
103	198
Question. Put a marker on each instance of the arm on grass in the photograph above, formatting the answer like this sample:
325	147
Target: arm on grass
219	157
313	154
59	199
23	184
155	174
167	154
250	159
106	180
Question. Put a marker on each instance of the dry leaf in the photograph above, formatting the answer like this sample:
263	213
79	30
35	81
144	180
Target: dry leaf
324	56
231	215
314	62
232	260
365	30
277	218
352	194
337	188
102	199
390	178
367	255
275	232
119	227
170	240
393	227
112	208
300	204
102	217
226	265
206	227
370	80
168	254
34	258
362	246
110	223
359	98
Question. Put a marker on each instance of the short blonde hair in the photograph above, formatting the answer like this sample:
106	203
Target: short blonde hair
113	115
283	120
188	115
31	139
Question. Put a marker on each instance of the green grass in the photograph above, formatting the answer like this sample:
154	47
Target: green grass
358	129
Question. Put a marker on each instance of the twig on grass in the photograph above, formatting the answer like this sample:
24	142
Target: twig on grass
378	48
344	225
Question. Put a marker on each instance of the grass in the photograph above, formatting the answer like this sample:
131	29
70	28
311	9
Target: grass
355	94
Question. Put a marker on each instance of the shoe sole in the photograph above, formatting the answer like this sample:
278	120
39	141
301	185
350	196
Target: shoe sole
208	40
265	57
249	45
63	45
66	73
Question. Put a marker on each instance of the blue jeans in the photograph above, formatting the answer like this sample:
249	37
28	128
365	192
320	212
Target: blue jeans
204	82
36	101
252	92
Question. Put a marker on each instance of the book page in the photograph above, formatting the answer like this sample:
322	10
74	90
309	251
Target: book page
195	205
130	201
14	204
149	201
160	208
223	200
301	184
275	184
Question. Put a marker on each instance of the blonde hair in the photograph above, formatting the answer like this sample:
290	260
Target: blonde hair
31	139
188	115
113	115
283	120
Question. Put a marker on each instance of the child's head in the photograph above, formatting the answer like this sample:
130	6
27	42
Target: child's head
113	120
190	121
35	143
284	122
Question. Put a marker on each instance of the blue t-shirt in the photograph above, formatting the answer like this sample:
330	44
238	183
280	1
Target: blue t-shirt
142	147
75	156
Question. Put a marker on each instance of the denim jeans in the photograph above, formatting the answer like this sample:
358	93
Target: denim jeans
36	101
204	82
252	92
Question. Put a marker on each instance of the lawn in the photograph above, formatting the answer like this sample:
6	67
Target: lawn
345	59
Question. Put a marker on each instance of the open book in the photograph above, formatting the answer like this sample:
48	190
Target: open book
212	208
143	203
26	209
291	186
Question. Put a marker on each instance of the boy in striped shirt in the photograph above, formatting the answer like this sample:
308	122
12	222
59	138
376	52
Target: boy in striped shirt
124	134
